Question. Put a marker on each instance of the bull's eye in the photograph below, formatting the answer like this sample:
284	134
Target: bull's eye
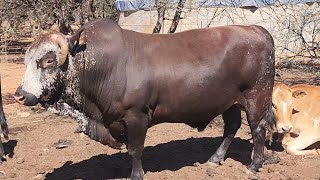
274	106
48	60
47	63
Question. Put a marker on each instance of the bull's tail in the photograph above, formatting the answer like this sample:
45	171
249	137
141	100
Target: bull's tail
3	122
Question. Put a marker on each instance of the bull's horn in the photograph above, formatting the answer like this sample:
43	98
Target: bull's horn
55	27
63	44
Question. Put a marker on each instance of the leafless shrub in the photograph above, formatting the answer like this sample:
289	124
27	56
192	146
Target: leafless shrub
297	30
305	66
20	19
295	27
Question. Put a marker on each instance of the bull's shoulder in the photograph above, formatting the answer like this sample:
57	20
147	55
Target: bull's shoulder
97	23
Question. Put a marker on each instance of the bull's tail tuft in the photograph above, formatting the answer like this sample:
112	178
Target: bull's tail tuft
271	123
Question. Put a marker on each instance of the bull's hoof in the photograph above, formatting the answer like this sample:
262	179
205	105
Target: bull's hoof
138	175
117	145
78	130
121	147
211	164
216	160
253	169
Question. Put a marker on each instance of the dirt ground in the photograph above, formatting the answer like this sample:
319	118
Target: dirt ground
173	151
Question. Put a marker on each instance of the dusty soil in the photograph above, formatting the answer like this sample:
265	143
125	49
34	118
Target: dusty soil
173	151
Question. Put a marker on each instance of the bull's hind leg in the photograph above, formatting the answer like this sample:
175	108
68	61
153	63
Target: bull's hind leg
137	125
257	111
232	122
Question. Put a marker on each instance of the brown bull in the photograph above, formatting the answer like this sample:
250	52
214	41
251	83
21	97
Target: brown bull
297	114
125	82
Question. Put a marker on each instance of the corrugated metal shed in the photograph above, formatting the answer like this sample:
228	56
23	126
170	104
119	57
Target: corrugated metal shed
135	5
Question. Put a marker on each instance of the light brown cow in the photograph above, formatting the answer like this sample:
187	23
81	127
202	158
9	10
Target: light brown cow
297	113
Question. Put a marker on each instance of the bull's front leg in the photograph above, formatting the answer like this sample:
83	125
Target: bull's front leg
2	153
137	125
232	122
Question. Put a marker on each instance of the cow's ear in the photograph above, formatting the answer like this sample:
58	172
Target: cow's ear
294	111
299	94
55	27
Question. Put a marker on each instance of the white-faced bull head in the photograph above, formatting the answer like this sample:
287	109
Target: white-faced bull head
44	62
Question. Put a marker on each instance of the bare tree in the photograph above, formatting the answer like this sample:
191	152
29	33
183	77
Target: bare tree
295	28
161	9
177	16
24	19
45	12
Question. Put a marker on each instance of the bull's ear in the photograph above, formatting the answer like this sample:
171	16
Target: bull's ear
77	42
82	38
55	27
299	94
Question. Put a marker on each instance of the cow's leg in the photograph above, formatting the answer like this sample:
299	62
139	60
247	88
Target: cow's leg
304	140
232	122
137	125
286	138
257	118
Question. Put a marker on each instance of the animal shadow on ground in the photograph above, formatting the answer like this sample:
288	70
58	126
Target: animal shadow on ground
9	147
172	156
276	145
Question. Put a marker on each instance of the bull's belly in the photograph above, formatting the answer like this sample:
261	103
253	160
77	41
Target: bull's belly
199	121
195	105
192	116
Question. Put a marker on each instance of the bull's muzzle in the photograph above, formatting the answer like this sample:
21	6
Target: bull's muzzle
25	98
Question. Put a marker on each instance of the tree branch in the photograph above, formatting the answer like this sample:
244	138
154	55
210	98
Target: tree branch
177	16
161	8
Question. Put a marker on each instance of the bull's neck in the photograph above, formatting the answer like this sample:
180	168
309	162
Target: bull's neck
98	83
71	83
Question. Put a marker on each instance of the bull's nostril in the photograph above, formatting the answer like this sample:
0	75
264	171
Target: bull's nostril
25	98
283	130
21	98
